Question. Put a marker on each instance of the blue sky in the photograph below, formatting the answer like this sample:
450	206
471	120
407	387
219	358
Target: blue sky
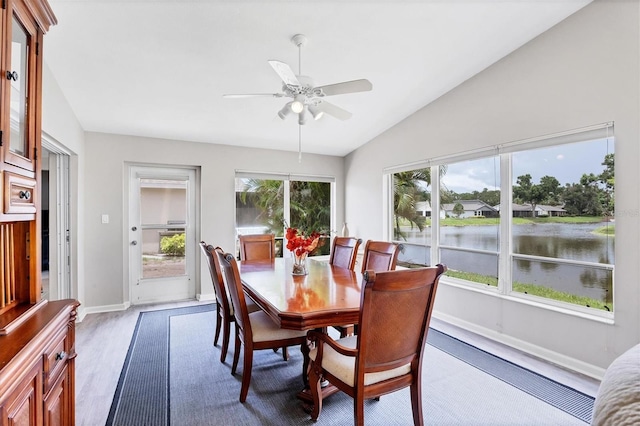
567	163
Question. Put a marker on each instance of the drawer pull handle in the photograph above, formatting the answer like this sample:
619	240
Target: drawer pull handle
60	355
25	195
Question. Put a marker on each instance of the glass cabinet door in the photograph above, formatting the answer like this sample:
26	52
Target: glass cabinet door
17	75
19	78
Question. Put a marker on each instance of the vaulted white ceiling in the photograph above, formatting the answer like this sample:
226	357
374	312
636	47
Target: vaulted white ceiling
159	68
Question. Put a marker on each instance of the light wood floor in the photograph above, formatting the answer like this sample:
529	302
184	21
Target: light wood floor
102	341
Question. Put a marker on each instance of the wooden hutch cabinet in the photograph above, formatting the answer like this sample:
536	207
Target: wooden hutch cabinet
37	349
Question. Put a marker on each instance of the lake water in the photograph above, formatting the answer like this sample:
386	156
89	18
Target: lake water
554	240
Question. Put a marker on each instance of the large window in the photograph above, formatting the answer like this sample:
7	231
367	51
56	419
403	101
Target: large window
534	219
268	203
412	215
562	239
469	219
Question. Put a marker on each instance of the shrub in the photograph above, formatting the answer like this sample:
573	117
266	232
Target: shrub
173	246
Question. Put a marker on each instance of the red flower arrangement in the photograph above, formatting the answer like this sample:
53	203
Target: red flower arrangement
301	246
298	244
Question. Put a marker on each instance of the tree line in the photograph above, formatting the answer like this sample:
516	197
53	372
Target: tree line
593	195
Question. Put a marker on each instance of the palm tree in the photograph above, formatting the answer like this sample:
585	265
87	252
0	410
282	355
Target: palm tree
268	197
309	206
408	189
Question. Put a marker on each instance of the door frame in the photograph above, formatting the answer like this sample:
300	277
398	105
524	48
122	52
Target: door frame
134	171
59	218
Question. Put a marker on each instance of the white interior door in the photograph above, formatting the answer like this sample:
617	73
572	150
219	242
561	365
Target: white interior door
161	234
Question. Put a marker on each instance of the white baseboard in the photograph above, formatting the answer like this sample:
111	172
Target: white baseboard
83	312
537	351
211	297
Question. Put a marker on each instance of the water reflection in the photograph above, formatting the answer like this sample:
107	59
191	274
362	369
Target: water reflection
555	240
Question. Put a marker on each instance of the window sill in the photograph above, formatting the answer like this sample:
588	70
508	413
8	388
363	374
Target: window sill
551	305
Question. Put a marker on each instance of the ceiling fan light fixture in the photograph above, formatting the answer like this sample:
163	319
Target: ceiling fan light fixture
297	105
316	113
284	112
302	117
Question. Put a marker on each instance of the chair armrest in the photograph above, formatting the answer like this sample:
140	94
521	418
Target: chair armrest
316	336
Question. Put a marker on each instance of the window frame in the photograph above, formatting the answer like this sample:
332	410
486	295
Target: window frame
506	256
287	179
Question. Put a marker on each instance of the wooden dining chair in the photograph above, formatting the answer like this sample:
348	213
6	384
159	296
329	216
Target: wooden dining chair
344	251
257	246
387	353
254	331
343	254
224	307
379	256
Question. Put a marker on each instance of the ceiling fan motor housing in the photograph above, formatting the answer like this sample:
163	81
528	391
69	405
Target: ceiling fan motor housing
306	88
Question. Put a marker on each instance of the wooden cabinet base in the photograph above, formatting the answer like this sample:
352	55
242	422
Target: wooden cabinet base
37	368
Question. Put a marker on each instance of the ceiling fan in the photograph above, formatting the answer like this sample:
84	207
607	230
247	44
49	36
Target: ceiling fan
307	98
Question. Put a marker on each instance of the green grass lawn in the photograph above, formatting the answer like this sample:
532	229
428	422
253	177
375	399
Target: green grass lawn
535	290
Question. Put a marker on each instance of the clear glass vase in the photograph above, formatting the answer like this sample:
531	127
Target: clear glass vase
299	264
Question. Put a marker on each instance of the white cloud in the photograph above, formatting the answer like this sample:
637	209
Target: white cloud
465	183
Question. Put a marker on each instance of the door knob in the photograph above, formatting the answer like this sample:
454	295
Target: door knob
134	242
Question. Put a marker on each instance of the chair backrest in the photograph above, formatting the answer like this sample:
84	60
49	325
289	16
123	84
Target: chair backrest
394	318
218	285
380	256
257	246
344	251
228	267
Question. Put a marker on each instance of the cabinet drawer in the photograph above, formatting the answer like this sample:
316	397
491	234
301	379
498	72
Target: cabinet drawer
19	194
55	359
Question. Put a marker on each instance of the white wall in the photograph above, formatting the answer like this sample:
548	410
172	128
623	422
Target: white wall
582	72
107	155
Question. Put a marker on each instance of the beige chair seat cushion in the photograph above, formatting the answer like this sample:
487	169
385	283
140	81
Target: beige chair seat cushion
343	367
265	329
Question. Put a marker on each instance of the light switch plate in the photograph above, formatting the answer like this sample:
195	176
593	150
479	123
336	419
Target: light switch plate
105	218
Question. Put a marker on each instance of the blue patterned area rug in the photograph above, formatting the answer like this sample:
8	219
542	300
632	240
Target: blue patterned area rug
172	376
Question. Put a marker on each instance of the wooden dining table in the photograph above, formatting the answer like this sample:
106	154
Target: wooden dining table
328	295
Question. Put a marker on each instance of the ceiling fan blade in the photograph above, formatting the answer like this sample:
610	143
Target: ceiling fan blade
254	95
354	86
334	110
285	72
